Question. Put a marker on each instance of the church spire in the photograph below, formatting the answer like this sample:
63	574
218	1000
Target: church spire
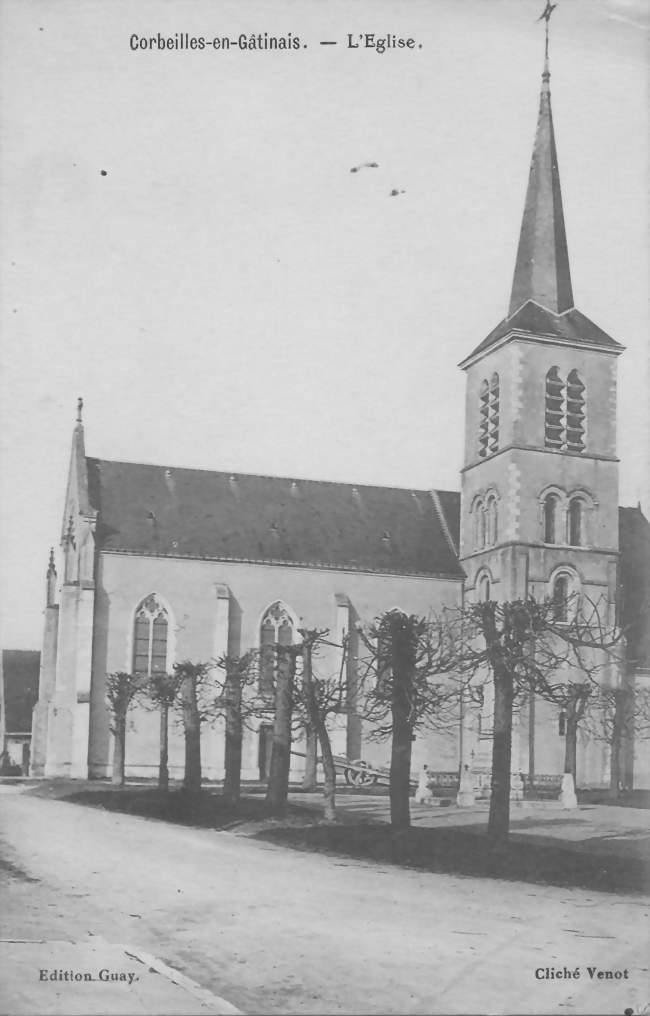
542	268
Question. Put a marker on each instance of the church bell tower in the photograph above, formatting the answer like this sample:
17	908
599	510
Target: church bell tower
539	505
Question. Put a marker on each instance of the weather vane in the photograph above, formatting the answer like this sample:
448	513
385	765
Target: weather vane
546	17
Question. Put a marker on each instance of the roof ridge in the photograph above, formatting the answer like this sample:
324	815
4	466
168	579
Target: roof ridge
269	476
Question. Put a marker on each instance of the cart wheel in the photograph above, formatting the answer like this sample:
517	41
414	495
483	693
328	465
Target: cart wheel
359	777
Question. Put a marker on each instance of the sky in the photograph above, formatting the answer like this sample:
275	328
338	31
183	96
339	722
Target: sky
182	242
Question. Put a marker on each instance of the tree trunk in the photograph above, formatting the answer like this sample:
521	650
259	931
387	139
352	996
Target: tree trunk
119	752
192	729
163	767
401	745
531	739
310	779
318	725
234	738
278	788
400	772
329	773
615	747
571	745
499	820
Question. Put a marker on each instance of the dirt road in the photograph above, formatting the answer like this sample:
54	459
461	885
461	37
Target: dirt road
277	931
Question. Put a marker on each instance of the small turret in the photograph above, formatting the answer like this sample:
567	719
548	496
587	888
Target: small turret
51	581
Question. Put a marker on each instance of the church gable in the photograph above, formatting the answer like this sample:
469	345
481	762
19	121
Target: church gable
157	510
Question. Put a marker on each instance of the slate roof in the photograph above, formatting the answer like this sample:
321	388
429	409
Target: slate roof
19	670
148	509
572	326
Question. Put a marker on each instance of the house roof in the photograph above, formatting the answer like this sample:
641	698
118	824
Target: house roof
572	327
148	509
19	673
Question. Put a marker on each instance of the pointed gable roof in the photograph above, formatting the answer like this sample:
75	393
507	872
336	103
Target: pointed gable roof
542	268
195	513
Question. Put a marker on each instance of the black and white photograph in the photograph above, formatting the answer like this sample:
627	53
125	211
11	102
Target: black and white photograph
324	507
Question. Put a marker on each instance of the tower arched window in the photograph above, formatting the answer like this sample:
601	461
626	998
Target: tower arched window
479	523
483	422
561	595
482	526
276	629
492	521
493	418
577	522
150	637
551	518
483	589
554	413
575	413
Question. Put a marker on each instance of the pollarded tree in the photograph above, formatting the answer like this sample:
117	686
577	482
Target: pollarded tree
318	696
619	714
284	677
121	692
235	701
407	682
528	646
573	699
192	700
161	691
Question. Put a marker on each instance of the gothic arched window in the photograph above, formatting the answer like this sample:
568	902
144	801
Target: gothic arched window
551	512
150	637
483	423
575	413
554	412
276	629
577	522
493	420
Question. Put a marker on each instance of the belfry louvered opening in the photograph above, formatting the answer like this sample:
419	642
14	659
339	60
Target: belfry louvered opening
484	409
493	436
554	417
488	427
575	413
564	417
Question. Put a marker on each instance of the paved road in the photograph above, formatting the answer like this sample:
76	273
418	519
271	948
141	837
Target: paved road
277	931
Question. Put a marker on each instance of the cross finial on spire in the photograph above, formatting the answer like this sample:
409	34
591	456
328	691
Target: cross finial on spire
80	406
545	16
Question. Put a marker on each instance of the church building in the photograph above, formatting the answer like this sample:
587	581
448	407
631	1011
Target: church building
162	564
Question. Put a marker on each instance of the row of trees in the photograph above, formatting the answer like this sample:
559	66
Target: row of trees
408	673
